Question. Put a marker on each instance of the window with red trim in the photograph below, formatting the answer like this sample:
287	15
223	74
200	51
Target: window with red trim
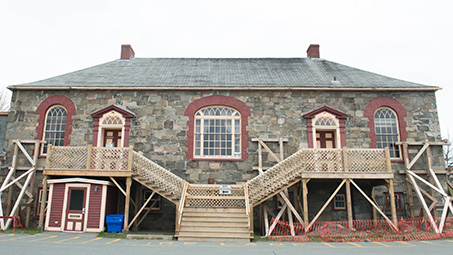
217	129
387	126
339	202
398	202
54	122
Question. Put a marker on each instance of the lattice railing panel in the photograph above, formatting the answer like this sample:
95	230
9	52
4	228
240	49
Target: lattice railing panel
209	203
68	157
115	159
157	175
206	196
323	160
314	160
366	161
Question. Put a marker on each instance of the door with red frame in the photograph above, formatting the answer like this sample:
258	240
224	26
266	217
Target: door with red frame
75	210
112	138
325	139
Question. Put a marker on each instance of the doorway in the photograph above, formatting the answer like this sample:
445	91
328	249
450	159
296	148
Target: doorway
75	213
325	139
112	138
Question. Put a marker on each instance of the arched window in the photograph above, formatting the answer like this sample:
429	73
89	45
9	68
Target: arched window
217	129
55	125
386	129
54	122
217	133
387	125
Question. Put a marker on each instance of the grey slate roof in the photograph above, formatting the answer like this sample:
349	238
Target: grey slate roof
224	73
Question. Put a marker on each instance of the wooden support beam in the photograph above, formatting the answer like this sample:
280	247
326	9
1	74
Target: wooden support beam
411	164
127	203
305	199
349	204
269	150
279	215
43	203
392	202
32	184
325	205
373	196
409	185
141	209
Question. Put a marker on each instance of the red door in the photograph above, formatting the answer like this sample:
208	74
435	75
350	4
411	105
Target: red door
112	138
325	139
75	210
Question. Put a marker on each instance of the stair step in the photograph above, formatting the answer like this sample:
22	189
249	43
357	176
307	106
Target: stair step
244	234
215	224
214	214
216	220
214	239
215	229
216	210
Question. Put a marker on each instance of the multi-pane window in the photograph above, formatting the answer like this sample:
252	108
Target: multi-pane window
339	202
386	127
217	133
55	126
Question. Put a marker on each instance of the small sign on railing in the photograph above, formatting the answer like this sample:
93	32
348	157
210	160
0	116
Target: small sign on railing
225	189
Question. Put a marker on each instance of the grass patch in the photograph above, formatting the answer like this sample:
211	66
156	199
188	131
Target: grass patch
258	238
27	231
112	235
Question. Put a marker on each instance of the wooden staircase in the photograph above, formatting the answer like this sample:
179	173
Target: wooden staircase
159	190
208	215
215	225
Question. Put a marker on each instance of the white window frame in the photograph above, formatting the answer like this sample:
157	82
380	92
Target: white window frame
234	140
46	131
335	128
397	147
103	127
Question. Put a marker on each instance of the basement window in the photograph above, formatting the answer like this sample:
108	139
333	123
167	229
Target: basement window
339	202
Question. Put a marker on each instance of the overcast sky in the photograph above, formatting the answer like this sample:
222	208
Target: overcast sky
406	39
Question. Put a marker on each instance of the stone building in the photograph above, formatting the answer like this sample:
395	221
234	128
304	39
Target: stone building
200	118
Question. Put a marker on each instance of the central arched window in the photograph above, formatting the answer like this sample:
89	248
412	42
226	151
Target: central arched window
386	128
55	126
217	133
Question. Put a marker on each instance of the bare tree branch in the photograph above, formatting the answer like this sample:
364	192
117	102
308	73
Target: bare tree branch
5	99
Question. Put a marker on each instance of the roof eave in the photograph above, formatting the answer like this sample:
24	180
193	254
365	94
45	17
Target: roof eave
222	88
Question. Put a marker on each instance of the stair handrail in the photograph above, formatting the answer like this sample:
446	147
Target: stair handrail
182	201
313	160
158	175
247	206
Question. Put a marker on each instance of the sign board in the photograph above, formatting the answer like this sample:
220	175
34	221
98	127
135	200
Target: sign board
225	189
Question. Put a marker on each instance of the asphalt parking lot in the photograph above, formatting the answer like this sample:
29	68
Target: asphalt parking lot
88	243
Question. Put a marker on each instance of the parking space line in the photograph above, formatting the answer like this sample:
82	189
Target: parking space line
49	237
328	244
116	240
91	240
406	243
20	237
357	245
6	235
427	242
67	239
385	245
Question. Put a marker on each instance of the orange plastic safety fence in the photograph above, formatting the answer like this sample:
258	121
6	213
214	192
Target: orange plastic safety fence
362	230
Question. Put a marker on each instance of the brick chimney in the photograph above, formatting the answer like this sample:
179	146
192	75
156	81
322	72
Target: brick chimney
127	52
313	51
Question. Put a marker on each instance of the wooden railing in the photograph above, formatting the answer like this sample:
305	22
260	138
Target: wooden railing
113	159
365	161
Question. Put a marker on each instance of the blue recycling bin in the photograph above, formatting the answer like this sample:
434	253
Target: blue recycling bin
114	223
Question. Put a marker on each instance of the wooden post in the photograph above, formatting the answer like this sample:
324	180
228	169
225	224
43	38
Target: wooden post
430	176
387	159
392	202
13	171
90	152
43	203
32	184
349	204
129	160
345	159
409	184
126	203
305	199
373	196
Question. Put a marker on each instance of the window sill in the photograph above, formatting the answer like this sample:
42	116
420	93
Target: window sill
217	159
